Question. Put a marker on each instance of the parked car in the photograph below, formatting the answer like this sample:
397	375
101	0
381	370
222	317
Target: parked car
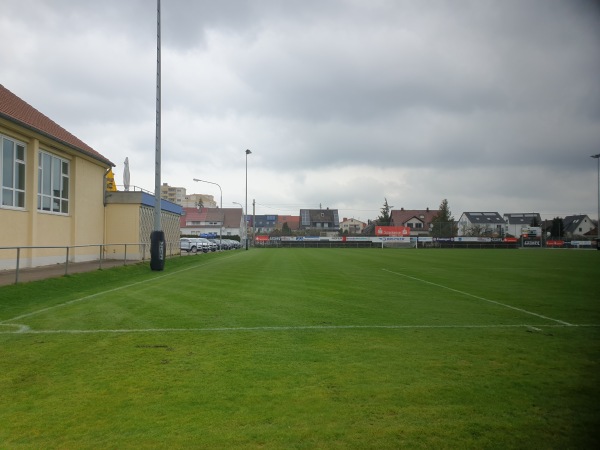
207	246
188	244
233	244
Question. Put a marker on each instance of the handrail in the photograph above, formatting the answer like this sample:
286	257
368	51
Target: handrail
69	256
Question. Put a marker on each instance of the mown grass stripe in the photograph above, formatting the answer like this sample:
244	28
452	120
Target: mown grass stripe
479	298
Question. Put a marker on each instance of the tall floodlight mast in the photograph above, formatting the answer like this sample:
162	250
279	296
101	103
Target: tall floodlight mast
157	237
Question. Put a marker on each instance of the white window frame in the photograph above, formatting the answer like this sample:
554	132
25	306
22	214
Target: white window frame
12	178
54	184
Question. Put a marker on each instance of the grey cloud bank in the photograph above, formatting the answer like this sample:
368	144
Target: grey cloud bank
494	105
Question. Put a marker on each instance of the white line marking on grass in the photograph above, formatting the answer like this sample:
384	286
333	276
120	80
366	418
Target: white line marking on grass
19	328
87	297
479	298
27	330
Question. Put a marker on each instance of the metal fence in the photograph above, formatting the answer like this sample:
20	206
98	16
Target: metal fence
132	252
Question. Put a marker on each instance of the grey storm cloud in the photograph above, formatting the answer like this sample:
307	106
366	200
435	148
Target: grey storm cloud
340	100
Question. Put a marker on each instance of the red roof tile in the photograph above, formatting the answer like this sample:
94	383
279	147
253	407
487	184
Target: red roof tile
17	110
399	217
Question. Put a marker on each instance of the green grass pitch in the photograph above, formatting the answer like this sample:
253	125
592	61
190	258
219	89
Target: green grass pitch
308	348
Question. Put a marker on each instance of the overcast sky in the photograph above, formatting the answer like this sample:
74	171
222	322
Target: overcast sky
493	105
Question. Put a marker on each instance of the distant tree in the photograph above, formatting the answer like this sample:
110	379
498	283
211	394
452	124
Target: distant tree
558	228
384	219
535	222
285	230
443	222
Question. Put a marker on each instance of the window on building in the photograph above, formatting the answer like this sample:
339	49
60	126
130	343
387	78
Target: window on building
53	183
12	173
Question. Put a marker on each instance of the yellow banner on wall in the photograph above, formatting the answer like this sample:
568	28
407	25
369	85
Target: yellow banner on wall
110	181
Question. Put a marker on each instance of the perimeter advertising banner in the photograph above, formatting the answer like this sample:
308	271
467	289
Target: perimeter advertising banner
392	231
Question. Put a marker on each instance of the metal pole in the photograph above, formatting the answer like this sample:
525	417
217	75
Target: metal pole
245	218
244	230
157	155
18	262
157	237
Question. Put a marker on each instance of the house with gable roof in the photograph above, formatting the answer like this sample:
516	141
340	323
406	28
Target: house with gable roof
293	222
516	221
418	220
54	194
204	221
321	220
352	226
481	224
578	225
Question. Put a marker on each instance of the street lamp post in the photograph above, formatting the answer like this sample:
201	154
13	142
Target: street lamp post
248	152
243	236
222	214
597	157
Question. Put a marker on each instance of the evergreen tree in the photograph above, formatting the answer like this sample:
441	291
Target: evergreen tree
558	228
443	222
384	219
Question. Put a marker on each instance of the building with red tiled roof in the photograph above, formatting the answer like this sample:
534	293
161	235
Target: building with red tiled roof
17	111
54	193
196	222
352	226
292	221
418	220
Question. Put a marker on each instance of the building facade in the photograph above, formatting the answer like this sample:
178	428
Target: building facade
320	220
516	221
212	221
53	192
489	224
352	226
418	220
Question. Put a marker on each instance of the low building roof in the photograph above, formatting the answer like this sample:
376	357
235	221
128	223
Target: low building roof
522	218
19	111
232	216
484	217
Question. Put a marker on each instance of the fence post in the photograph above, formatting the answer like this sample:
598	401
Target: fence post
125	257
100	262
67	263
18	260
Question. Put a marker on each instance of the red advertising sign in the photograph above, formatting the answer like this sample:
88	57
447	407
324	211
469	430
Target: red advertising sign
392	231
511	239
262	238
555	243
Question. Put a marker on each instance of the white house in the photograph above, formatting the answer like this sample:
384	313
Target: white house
481	224
516	221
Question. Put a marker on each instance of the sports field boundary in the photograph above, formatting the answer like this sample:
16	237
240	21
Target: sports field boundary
24	329
480	298
119	288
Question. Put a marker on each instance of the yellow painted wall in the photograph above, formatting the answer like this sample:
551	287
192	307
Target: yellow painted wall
122	227
84	224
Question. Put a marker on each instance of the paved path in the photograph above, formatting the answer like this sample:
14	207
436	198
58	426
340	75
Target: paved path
56	270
